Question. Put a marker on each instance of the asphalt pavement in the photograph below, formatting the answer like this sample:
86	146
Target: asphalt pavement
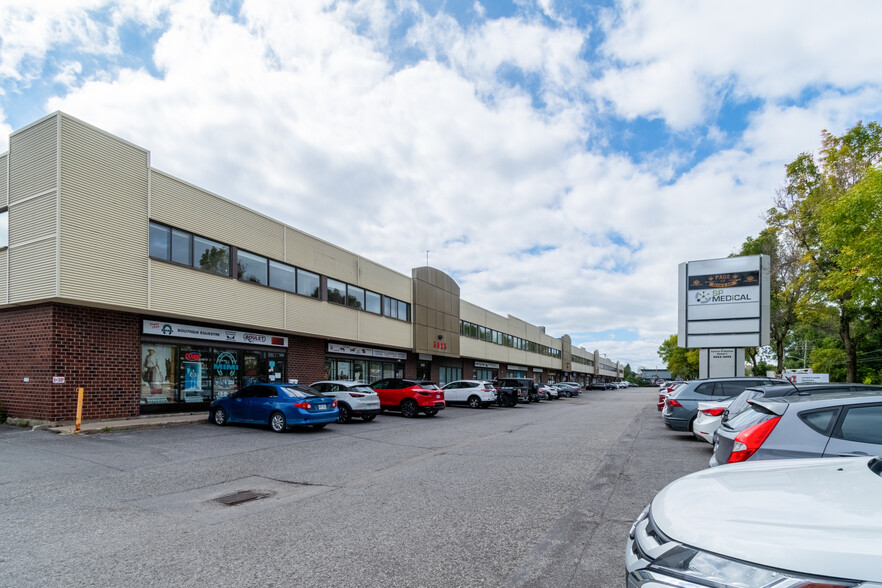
537	495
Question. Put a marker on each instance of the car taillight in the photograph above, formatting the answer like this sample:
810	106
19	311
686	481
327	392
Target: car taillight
423	393
334	404
751	439
303	405
713	411
356	395
672	402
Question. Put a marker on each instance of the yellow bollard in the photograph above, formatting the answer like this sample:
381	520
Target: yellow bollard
79	408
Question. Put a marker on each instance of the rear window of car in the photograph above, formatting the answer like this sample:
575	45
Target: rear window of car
299	392
706	389
429	386
363	389
752	416
820	420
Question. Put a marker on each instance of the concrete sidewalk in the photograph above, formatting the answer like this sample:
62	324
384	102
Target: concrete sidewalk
153	420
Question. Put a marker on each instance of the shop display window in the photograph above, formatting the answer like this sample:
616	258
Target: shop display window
158	374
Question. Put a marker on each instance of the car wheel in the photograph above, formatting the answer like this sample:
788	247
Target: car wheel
369	417
474	402
503	401
344	414
219	417
277	422
431	412
409	408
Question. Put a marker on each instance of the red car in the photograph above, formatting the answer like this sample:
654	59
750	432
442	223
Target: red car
411	397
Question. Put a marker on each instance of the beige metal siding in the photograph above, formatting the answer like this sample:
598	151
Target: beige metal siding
182	205
4	175
32	271
103	232
322	319
33	211
200	296
378	278
32	219
33	164
384	332
4	267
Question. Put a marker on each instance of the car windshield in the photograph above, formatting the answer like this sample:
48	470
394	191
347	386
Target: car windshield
298	392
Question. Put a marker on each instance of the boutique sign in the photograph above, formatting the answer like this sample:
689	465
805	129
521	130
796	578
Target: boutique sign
724	302
168	329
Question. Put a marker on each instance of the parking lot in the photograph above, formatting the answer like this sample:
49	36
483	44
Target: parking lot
537	495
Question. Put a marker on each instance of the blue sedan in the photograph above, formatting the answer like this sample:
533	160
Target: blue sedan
278	405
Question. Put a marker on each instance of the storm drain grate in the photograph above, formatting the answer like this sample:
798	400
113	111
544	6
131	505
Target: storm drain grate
242	496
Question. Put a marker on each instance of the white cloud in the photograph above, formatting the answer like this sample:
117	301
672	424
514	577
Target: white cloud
673	59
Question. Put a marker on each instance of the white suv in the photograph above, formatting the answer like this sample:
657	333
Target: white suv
353	398
475	393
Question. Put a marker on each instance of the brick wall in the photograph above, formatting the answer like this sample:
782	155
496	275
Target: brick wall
306	359
96	349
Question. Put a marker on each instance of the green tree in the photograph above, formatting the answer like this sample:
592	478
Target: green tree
679	360
852	226
813	188
787	288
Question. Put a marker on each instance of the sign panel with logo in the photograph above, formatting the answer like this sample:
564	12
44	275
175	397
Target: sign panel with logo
168	329
724	302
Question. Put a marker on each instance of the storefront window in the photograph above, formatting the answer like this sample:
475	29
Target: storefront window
449	374
196	373
158	374
226	372
424	370
484	374
359	370
275	363
376	372
253	368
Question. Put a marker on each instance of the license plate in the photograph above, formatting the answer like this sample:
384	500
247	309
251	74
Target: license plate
438	396
321	407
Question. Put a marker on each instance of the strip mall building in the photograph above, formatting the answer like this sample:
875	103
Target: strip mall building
155	295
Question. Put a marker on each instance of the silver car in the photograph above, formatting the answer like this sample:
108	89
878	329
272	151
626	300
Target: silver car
783	524
827	425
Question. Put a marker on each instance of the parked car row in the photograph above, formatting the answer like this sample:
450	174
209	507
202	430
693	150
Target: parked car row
803	511
282	406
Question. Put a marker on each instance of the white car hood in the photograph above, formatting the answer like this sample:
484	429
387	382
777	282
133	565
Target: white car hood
815	516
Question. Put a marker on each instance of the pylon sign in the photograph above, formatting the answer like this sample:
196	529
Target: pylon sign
724	302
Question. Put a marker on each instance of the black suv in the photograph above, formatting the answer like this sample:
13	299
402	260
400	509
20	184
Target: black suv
514	390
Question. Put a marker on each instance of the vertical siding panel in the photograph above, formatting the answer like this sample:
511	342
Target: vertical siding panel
4	175
33	178
104	225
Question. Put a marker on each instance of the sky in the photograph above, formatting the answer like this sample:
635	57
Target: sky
558	159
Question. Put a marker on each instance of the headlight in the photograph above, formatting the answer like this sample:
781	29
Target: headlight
720	572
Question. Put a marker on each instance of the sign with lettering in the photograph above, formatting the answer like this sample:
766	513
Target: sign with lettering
168	329
724	303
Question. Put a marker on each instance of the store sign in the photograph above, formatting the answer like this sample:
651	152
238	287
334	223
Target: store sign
517	368
484	364
366	351
162	328
724	303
